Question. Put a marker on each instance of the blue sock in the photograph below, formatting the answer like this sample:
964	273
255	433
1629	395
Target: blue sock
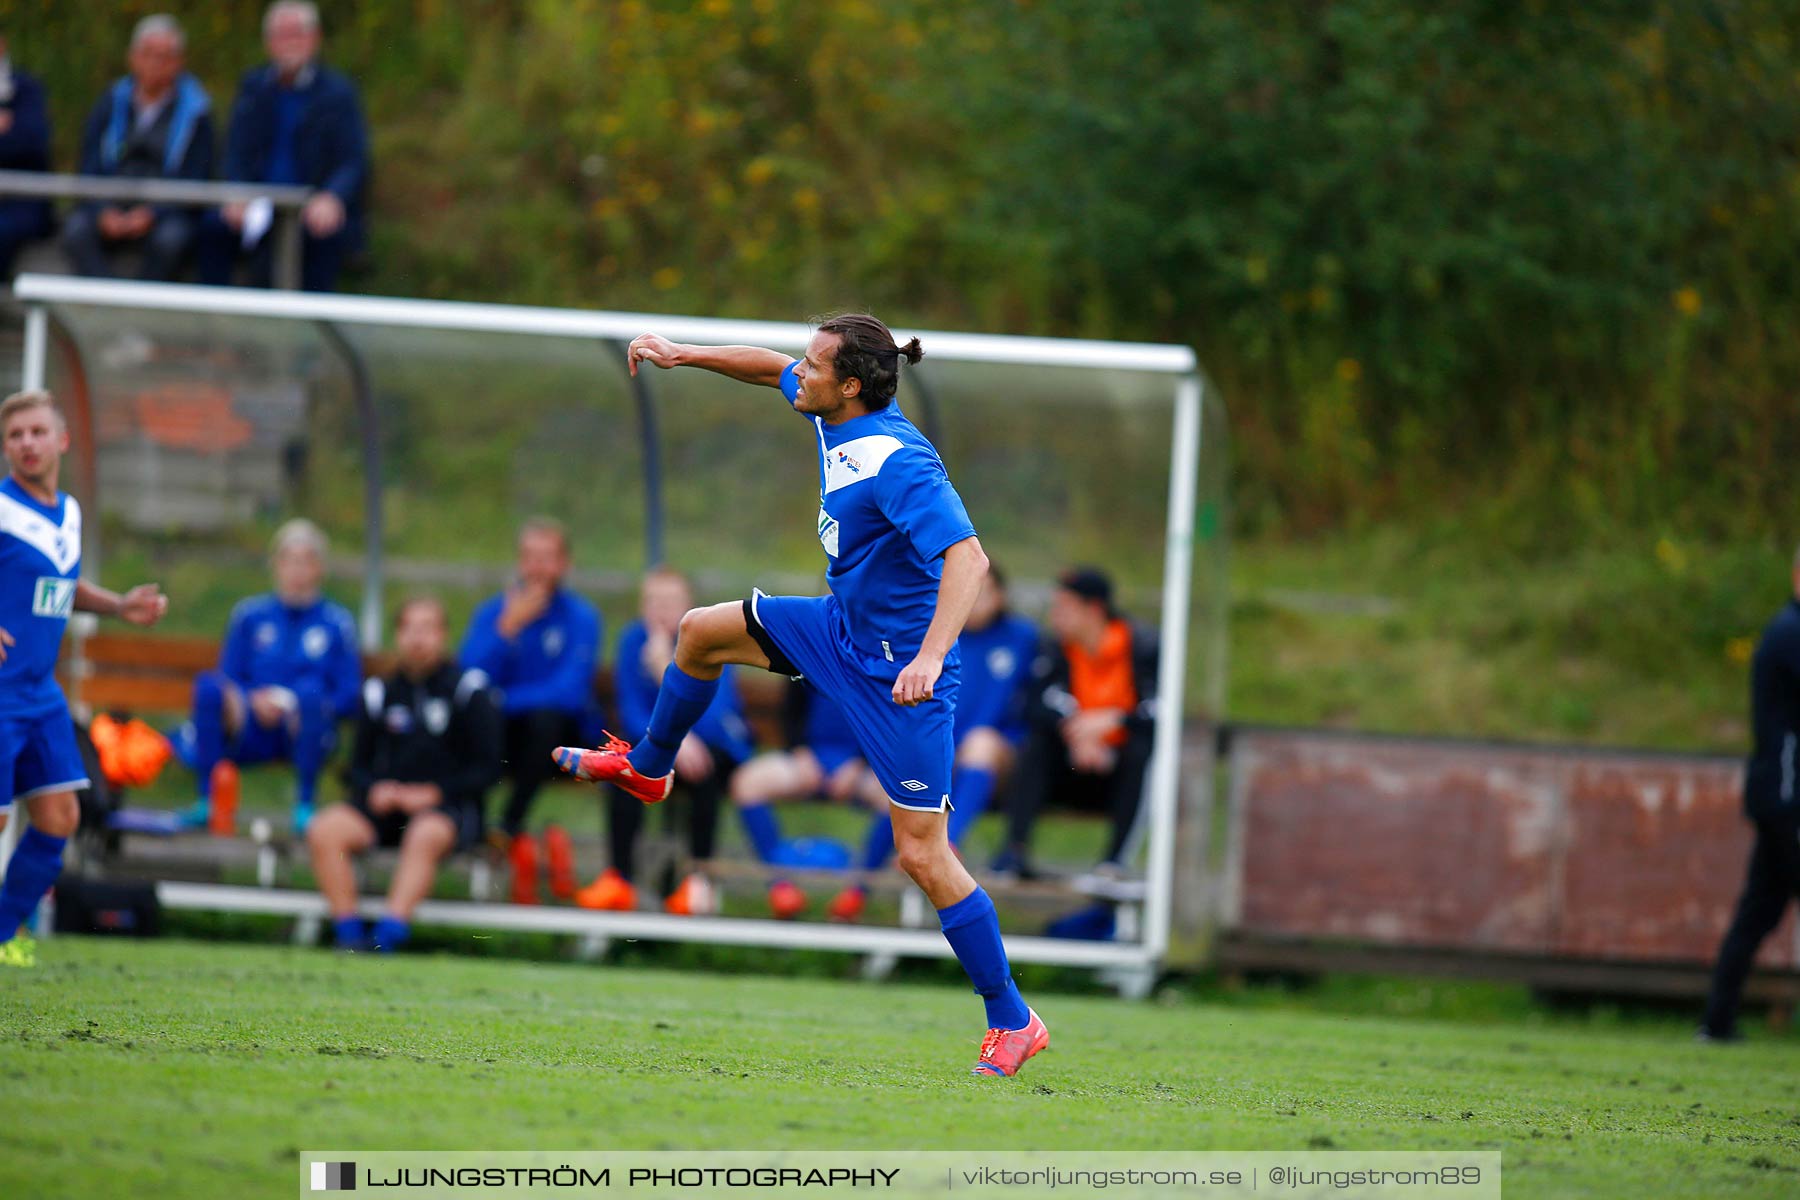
348	933
970	790
682	701
391	933
35	864
879	844
208	724
763	830
973	931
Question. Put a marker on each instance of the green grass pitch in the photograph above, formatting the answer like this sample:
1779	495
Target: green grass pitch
198	1069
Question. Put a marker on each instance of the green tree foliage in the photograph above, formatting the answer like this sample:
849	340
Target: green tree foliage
1530	259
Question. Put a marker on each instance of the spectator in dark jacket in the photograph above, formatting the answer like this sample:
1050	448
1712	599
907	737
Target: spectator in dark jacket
297	122
427	749
1093	709
155	123
24	146
1772	802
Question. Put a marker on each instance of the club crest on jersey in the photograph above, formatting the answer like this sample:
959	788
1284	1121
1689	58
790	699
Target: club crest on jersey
553	641
437	716
828	532
315	641
1001	661
53	597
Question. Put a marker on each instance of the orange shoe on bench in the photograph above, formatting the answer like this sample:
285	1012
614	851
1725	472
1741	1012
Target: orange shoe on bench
608	764
609	893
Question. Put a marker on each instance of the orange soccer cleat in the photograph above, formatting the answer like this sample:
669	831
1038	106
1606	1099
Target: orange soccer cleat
1004	1051
608	764
785	900
523	854
847	906
694	898
559	856
611	892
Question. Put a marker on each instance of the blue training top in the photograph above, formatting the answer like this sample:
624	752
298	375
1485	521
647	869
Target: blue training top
721	726
549	664
270	643
996	664
40	561
887	513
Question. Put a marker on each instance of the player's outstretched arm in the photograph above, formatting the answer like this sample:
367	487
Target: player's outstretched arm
746	364
965	566
142	605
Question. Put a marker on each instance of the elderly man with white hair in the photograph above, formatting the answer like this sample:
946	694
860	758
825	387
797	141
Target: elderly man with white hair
298	122
288	673
155	123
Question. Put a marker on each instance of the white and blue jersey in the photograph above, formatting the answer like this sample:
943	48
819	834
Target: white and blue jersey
887	514
40	563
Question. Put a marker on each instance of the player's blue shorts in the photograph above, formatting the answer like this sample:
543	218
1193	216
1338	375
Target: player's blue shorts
911	750
832	755
38	755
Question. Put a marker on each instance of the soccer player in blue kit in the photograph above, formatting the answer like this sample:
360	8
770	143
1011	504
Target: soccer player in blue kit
904	569
40	585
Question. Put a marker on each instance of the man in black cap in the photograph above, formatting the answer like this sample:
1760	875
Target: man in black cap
1092	717
1772	802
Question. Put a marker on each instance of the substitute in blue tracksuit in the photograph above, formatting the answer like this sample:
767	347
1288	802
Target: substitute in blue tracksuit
288	673
297	122
719	742
538	643
1772	802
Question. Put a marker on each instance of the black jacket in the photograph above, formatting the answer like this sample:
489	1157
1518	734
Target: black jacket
1771	786
1051	699
445	729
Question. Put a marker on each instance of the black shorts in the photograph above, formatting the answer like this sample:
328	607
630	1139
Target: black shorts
778	662
390	827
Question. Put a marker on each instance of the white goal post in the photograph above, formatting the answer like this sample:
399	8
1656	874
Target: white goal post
44	295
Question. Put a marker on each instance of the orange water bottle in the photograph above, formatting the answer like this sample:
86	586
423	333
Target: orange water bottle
221	819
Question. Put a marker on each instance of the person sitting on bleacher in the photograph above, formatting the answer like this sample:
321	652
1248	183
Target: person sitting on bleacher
288	673
295	122
998	649
427	749
822	762
155	123
1092	717
539	643
703	766
24	146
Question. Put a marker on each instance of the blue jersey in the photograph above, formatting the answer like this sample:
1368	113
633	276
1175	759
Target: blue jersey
887	513
721	726
996	665
40	561
549	664
304	648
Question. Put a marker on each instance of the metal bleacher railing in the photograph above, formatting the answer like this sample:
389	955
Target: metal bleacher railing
286	201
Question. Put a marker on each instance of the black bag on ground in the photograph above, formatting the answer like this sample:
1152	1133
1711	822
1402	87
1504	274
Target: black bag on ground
125	908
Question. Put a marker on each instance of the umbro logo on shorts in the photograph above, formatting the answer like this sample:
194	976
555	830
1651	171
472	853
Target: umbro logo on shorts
913	785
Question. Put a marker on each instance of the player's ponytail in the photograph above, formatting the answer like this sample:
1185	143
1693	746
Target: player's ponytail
866	351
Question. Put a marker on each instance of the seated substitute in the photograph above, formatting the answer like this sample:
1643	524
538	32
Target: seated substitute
998	648
155	123
295	122
427	749
824	762
710	752
288	673
538	643
1092	710
24	146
